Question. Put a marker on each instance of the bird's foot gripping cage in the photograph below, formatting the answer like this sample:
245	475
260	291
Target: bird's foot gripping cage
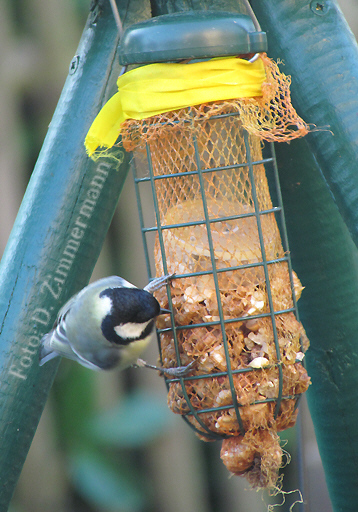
219	229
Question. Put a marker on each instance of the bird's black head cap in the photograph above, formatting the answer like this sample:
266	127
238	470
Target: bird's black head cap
129	305
132	305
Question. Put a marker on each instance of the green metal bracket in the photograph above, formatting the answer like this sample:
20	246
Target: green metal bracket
319	183
56	239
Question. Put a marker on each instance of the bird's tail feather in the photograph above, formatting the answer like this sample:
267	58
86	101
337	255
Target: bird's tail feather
46	354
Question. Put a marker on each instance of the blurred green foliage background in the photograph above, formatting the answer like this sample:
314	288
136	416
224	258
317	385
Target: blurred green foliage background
107	442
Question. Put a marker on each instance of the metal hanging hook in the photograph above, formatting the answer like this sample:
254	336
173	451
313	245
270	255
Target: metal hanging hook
117	17
251	13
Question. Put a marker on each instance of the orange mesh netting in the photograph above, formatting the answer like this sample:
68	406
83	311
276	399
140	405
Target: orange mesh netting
213	193
271	116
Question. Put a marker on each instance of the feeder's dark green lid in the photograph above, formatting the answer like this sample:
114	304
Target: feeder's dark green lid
190	35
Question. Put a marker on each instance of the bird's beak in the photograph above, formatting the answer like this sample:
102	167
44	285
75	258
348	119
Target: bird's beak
164	311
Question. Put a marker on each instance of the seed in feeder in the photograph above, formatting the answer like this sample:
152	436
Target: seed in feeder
249	343
208	293
253	325
206	364
269	389
259	362
218	355
259	339
224	398
257	303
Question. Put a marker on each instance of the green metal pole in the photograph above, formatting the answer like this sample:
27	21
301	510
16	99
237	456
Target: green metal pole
56	239
319	184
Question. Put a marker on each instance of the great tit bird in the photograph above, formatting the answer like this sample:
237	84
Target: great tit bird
107	325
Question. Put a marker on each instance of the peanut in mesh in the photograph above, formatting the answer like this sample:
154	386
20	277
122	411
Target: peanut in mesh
258	456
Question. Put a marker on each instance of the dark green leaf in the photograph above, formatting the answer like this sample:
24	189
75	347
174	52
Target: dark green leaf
137	419
103	485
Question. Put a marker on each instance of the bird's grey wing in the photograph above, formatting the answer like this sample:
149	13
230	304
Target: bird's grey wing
61	315
55	342
105	358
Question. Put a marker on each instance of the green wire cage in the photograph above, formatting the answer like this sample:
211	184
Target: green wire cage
219	230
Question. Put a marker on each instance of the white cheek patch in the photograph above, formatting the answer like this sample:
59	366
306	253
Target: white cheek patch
103	307
130	330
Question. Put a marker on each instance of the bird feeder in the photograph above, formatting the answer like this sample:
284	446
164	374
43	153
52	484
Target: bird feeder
196	114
